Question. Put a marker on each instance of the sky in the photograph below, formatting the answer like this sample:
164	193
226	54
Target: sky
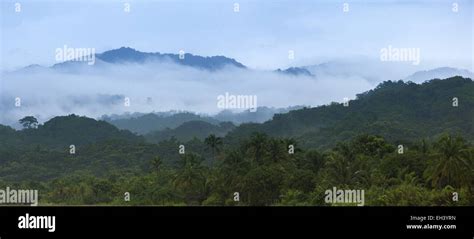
259	35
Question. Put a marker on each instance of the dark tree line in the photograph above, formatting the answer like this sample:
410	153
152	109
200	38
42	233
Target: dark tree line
262	170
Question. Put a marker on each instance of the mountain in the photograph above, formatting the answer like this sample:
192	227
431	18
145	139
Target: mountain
438	73
375	71
33	68
130	55
261	115
296	71
189	130
146	123
397	111
155	122
360	67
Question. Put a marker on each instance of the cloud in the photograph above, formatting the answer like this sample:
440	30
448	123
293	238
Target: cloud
160	86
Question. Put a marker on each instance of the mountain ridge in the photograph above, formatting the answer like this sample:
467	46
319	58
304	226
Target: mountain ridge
130	55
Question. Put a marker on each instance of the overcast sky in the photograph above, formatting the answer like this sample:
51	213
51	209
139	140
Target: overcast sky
259	35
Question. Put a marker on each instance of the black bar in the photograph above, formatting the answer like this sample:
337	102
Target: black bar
356	221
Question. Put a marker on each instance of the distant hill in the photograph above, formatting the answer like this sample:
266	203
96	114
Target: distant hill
146	123
101	149
62	131
261	115
130	55
395	110
438	73
153	122
295	71
189	130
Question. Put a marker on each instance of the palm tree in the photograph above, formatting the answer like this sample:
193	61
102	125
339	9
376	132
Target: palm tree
156	163
257	146
346	150
276	149
291	141
214	143
339	168
344	170
233	160
452	163
190	178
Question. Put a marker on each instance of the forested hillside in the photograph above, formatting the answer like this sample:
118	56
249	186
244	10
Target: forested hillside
189	130
404	144
151	122
147	123
398	111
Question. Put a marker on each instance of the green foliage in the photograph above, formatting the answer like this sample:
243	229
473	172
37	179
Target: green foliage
189	130
102	173
149	123
452	163
29	122
396	111
214	143
335	146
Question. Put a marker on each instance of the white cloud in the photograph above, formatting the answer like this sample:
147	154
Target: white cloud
101	90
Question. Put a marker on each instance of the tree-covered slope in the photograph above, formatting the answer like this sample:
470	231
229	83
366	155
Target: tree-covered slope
397	111
189	130
262	167
151	122
62	131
